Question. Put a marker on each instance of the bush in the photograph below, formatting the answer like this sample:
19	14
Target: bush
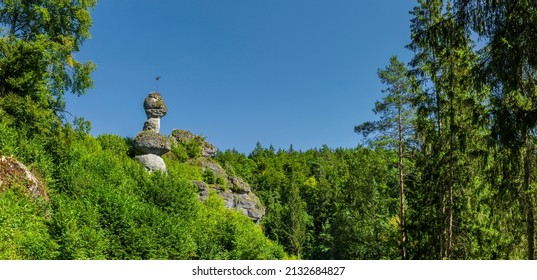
208	176
23	228
114	143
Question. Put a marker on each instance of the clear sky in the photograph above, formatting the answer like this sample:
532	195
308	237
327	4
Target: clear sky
281	72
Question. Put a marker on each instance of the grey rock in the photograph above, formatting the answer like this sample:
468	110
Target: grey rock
150	142
229	198
152	124
154	106
203	189
208	150
249	204
15	173
239	185
235	192
152	162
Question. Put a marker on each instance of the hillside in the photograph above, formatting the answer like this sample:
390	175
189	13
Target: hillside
73	196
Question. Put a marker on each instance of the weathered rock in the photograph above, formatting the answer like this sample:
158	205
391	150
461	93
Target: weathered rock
249	204
152	124
150	142
154	106
208	150
152	162
184	136
13	172
235	193
229	198
215	168
239	186
203	189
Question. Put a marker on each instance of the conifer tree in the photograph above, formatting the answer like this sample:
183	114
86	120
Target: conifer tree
509	64
395	125
451	117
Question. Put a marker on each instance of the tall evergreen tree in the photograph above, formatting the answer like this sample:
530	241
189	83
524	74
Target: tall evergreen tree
395	125
450	127
509	64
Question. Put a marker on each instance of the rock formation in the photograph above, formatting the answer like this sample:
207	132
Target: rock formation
184	136
149	144
235	192
13	172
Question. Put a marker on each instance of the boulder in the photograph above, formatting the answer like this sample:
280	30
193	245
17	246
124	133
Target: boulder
150	142
152	162
13	172
154	106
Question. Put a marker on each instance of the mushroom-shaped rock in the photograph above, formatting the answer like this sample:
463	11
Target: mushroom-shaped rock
150	142
154	106
152	162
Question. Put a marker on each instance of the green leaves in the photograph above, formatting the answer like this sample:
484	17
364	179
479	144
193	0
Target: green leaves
37	47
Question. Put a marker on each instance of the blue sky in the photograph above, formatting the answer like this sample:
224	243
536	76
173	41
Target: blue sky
281	72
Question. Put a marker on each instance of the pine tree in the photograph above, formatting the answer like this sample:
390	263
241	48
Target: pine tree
395	125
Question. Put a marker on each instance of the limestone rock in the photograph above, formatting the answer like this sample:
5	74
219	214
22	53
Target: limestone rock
150	142
154	106
208	150
239	186
203	189
152	162
235	193
14	172
152	124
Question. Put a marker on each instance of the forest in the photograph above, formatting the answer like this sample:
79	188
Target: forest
447	171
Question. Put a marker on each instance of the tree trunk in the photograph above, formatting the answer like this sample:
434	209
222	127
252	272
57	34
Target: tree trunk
528	199
402	189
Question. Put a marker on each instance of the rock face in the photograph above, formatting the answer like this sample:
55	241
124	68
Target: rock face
184	136
234	191
245	202
13	172
149	144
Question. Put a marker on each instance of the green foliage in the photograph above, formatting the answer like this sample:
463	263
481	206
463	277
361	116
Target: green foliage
24	228
193	149
104	205
319	202
114	144
179	152
468	181
37	48
208	176
227	234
